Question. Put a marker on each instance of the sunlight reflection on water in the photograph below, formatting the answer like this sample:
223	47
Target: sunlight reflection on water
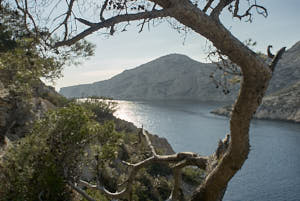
271	172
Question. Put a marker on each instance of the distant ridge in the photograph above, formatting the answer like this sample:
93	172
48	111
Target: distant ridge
173	76
177	76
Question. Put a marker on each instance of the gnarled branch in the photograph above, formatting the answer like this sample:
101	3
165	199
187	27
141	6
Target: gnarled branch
218	9
276	59
248	13
180	160
113	21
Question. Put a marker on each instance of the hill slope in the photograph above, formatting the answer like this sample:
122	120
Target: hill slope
173	76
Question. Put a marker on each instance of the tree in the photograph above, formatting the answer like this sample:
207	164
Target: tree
203	17
24	60
24	56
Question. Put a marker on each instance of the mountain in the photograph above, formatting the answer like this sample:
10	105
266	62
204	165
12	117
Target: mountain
177	76
173	76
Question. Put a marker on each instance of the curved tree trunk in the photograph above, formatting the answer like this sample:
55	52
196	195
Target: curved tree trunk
256	76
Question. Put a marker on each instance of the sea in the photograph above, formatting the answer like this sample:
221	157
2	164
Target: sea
272	171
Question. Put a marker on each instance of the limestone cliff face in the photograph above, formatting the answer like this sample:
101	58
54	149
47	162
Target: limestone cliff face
173	76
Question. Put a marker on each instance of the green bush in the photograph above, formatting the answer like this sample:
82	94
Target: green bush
103	109
40	163
192	175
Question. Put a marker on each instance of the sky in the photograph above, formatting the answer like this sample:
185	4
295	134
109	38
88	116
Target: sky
130	49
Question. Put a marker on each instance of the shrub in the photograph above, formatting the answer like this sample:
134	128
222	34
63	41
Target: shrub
40	163
103	109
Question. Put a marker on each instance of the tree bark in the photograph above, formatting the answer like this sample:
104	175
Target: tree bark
256	76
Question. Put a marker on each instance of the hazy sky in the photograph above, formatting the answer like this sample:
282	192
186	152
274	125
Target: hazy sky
130	49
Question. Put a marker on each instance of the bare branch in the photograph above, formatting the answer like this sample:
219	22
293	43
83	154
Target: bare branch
112	21
27	13
208	5
277	58
180	160
248	13
68	14
116	195
80	191
218	9
270	55
88	23
149	142
102	10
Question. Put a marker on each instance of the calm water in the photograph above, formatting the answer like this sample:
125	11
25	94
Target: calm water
272	172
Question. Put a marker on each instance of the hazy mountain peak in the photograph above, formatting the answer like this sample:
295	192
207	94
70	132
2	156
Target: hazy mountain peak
174	56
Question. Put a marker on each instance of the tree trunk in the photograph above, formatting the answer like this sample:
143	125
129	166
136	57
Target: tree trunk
256	76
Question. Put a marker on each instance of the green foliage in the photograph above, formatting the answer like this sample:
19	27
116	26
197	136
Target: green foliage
25	57
142	189
193	176
107	144
151	188
103	109
56	99
40	163
96	195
